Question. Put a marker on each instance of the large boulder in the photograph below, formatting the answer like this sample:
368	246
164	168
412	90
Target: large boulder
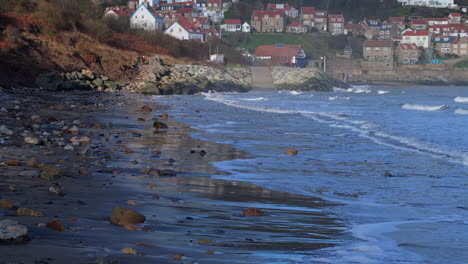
11	232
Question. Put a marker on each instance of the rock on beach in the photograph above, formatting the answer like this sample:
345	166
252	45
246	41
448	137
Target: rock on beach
122	216
11	232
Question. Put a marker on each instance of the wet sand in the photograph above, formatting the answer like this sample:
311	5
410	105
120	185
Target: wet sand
190	218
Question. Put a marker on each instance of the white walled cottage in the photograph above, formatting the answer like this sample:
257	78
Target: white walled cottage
145	19
184	31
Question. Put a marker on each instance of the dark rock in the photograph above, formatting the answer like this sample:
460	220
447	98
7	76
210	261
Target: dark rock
123	216
11	232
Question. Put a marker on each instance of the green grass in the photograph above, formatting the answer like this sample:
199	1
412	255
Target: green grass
314	44
461	64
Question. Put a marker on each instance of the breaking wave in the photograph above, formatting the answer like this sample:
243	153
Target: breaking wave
424	107
459	99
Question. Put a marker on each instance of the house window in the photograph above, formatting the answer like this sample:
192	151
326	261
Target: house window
368	49
306	16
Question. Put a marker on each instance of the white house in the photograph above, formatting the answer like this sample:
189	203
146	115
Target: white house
231	25
145	19
422	38
429	3
246	27
184	31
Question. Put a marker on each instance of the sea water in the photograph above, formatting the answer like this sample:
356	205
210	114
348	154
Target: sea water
395	159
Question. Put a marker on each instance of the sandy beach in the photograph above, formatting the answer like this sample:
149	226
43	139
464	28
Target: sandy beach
163	174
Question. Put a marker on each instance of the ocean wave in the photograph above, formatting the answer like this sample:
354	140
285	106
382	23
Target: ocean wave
461	111
382	92
255	99
459	99
424	107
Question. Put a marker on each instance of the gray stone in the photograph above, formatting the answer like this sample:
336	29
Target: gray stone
11	232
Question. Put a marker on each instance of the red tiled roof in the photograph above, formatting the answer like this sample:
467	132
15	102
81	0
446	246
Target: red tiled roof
317	13
408	46
353	26
294	24
185	10
455	14
378	43
277	50
416	33
276	6
336	16
309	10
396	19
215	2
419	22
232	21
190	27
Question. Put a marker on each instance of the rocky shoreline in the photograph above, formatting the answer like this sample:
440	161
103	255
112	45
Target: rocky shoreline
304	79
157	78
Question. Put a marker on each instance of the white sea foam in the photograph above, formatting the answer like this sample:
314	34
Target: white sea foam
461	111
255	99
382	92
331	98
295	92
424	107
459	99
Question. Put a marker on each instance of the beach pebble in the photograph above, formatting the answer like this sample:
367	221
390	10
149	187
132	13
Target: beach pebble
123	216
56	190
12	163
146	108
74	129
11	232
76	122
4	130
160	125
6	203
32	162
30	174
166	173
85	140
291	152
31	140
28	212
36	119
129	251
55	225
69	147
252	212
50	172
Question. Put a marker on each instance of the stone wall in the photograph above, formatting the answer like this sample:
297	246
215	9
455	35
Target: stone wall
303	79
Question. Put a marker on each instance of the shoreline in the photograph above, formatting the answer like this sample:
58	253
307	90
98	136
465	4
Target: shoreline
191	215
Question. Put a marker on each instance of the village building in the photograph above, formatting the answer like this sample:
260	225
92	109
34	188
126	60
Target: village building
336	24
291	55
460	47
388	31
116	12
443	45
185	31
313	18
146	18
437	21
397	21
418	24
187	12
420	38
202	22
148	3
268	20
429	3
371	28
212	9
231	25
246	28
353	29
454	18
288	10
295	27
408	53
378	55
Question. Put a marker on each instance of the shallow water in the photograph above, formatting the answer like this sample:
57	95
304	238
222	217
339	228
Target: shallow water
395	158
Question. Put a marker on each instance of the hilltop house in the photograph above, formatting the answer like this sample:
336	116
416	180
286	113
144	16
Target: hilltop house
288	10
312	18
443	44
145	18
246	27
408	53
336	24
460	47
418	24
292	55
420	38
231	25
184	31
295	27
398	22
378	55
429	3
268	20
118	11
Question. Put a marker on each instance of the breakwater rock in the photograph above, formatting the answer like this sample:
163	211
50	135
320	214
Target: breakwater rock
304	79
76	80
189	79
